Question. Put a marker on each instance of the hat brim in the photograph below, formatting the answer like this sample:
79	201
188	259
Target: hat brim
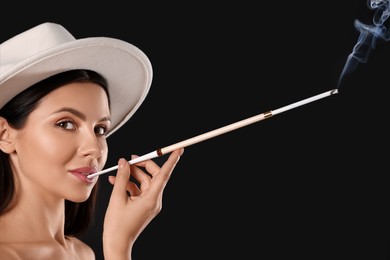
126	68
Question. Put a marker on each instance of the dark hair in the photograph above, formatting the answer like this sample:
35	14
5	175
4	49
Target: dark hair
77	215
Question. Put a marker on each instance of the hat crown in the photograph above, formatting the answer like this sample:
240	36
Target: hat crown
48	49
31	42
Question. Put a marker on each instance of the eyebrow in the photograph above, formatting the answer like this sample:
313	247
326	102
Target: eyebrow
79	114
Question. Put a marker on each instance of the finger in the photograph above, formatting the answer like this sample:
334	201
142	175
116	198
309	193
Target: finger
133	189
166	170
131	186
139	174
121	179
144	179
150	166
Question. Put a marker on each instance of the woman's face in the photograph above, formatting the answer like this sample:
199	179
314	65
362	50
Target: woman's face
63	141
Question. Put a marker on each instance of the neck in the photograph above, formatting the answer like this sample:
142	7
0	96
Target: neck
33	218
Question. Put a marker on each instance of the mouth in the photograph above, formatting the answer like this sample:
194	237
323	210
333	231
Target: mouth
83	172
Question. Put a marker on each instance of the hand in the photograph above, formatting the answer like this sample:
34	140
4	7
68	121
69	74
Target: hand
132	207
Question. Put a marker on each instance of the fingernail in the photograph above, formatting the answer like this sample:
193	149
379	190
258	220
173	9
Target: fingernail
121	163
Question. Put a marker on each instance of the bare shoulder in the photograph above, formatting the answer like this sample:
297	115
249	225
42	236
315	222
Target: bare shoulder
75	249
81	248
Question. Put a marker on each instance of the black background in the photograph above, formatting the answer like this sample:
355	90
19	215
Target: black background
309	183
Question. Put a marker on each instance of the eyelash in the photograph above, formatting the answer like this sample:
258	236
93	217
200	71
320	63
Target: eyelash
64	123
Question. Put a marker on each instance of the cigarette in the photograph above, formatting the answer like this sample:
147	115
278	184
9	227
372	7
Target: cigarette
219	131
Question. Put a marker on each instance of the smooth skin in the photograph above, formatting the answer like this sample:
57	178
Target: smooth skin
67	132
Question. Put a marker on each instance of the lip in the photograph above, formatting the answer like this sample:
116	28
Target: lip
82	172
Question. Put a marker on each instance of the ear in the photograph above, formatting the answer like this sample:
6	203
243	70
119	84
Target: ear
7	134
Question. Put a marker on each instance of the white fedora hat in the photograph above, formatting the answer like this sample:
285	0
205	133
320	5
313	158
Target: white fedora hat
48	49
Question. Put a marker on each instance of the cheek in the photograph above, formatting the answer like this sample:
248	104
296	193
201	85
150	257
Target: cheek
103	159
42	152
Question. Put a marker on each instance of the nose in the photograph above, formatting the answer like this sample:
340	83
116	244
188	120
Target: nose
91	145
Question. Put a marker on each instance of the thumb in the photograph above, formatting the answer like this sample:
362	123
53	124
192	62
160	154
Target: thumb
121	180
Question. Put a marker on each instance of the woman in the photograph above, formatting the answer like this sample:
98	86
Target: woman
59	102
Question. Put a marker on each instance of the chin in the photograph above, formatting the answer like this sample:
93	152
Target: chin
78	198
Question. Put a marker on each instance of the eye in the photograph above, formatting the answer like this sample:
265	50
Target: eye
101	130
67	125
